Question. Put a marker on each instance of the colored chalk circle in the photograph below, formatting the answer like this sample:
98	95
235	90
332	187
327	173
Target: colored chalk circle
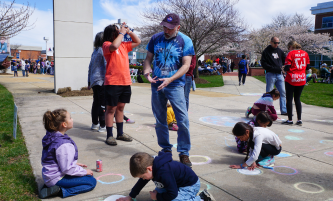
308	184
282	173
329	153
296	131
289	137
122	178
284	155
207	160
114	197
250	172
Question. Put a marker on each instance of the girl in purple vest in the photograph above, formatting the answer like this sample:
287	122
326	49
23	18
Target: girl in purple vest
61	172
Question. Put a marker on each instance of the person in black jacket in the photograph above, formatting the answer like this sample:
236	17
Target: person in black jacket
272	60
173	180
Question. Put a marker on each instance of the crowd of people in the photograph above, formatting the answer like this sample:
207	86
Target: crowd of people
170	78
29	66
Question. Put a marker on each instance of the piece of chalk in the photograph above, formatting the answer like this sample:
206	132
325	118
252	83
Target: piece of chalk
267	167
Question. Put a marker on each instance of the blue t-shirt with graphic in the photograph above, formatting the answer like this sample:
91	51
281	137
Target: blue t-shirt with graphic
168	55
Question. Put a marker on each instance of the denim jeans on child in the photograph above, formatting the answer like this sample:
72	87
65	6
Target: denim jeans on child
72	185
187	89
187	193
278	80
175	94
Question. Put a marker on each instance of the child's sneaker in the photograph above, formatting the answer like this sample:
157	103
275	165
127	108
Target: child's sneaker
271	161
130	121
267	161
94	126
102	129
206	196
248	112
299	123
174	127
46	192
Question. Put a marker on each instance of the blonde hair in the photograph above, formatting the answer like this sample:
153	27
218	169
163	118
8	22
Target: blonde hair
53	120
294	45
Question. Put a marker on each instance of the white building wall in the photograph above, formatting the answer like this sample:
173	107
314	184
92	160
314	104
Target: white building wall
73	42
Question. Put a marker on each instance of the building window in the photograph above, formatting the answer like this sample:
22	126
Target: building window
327	22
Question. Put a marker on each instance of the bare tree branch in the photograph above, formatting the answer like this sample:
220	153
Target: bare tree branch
14	20
211	24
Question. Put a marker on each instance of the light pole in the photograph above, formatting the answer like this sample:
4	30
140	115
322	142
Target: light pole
46	39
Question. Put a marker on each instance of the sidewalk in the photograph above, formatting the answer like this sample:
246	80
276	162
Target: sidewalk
304	172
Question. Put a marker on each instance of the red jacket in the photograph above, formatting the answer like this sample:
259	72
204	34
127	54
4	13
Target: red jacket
192	66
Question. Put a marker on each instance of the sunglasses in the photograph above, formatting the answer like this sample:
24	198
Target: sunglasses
276	42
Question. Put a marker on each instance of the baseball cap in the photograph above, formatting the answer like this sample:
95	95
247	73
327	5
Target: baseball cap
171	21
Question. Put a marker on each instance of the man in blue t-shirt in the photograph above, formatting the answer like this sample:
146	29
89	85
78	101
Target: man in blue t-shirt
173	52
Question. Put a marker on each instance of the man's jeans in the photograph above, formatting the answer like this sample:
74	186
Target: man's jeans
72	185
187	193
187	89
278	80
175	94
23	73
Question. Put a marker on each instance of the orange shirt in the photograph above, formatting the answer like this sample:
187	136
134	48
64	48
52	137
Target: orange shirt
117	64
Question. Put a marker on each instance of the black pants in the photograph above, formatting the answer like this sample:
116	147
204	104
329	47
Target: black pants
240	77
294	92
98	106
268	149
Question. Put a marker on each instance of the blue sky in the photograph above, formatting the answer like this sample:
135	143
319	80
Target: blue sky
254	12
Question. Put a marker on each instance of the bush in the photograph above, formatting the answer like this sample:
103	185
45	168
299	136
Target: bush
136	67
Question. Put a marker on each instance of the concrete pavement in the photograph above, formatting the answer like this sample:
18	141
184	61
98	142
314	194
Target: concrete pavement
303	172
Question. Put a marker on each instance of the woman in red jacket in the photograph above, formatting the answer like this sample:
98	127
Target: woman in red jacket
296	64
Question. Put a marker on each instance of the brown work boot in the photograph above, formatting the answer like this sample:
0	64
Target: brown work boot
125	138
111	141
185	160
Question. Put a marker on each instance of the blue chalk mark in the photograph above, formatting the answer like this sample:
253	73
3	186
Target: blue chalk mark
114	182
267	167
283	155
296	131
289	137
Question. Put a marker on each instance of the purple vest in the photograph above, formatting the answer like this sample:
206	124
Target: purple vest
51	141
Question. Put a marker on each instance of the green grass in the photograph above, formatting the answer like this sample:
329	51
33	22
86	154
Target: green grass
17	181
215	81
319	94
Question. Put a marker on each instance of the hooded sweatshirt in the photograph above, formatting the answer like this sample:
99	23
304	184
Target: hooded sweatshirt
167	174
59	158
265	103
273	59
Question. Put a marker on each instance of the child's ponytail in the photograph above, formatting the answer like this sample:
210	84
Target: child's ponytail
240	130
52	120
274	92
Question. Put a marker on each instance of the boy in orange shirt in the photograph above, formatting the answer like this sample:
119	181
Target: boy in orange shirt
117	78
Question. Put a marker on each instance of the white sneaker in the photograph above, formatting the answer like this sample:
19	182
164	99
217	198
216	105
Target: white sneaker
102	129
94	127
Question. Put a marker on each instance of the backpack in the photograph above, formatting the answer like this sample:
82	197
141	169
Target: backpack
242	65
